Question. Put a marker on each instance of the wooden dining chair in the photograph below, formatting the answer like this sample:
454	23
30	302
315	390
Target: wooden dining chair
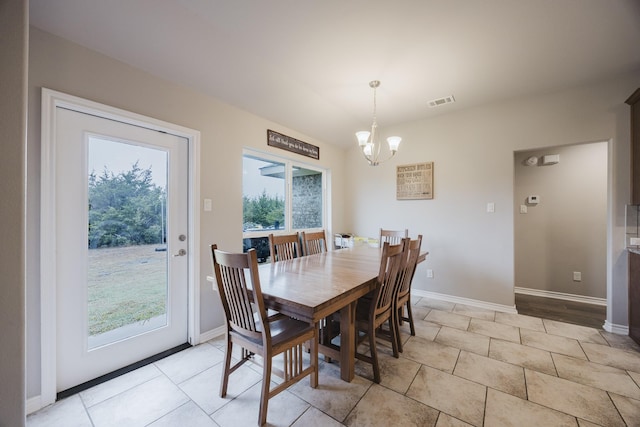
283	247
394	237
314	243
403	293
373	310
249	327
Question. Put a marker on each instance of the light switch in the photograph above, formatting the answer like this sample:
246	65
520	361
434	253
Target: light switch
491	207
523	209
207	205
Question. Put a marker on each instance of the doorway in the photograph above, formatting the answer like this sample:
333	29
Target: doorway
560	226
119	249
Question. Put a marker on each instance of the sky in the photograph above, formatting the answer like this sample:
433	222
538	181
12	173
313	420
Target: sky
253	183
120	157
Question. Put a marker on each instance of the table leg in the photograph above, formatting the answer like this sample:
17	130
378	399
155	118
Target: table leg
347	341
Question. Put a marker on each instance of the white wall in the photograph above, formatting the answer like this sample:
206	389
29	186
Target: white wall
13	117
472	251
225	130
567	230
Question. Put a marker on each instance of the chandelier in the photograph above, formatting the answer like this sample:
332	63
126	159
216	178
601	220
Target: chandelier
368	141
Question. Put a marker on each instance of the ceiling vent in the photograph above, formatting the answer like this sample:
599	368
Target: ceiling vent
441	101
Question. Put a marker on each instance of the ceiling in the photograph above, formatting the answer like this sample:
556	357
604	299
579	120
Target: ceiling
307	64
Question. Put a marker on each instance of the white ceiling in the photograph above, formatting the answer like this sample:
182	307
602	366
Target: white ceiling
307	64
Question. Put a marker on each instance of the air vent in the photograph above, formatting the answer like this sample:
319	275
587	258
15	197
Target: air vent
441	101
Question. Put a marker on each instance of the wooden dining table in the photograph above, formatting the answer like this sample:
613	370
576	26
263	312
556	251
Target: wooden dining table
313	287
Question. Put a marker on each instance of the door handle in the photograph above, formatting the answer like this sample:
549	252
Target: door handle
181	252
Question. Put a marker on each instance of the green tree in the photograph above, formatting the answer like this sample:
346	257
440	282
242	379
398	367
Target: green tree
264	210
125	209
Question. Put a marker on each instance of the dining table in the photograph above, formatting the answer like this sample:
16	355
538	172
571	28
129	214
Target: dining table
313	287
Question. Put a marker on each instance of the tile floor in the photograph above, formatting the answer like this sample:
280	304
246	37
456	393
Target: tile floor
465	366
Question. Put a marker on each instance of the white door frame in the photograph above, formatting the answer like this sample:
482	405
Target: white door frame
50	101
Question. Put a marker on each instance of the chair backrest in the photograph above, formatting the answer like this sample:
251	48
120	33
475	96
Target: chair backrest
391	265
245	315
283	247
393	236
314	243
409	269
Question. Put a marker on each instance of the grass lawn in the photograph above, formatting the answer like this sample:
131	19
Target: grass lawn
126	285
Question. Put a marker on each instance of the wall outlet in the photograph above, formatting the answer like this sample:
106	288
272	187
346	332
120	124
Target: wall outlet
577	276
491	207
523	209
430	274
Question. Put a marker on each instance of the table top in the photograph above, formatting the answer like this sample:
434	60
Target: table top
314	286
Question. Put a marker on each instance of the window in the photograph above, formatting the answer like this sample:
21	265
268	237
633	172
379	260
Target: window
279	196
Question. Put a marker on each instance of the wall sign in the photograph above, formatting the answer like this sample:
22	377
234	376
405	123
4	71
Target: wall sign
414	182
288	143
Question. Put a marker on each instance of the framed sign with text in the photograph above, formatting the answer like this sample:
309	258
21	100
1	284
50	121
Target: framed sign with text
288	143
415	181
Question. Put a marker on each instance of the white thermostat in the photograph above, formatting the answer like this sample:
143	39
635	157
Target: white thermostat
533	200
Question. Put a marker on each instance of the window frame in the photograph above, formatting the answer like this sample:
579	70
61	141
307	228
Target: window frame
289	164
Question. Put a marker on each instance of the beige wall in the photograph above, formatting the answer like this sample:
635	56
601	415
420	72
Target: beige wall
13	115
225	130
567	230
472	251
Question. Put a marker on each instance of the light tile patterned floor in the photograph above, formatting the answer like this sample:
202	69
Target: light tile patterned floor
465	366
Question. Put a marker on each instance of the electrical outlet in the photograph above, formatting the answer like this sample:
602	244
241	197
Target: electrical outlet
523	209
430	274
577	276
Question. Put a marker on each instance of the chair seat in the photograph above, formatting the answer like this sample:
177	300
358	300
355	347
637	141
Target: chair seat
284	329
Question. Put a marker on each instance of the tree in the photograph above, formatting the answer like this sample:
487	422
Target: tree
264	210
125	209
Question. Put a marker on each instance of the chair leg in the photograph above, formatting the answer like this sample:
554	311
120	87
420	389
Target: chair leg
395	333
410	318
314	359
227	367
374	355
264	397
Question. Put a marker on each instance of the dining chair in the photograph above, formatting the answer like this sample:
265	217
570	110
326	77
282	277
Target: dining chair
314	242
283	247
257	334
403	293
376	308
393	236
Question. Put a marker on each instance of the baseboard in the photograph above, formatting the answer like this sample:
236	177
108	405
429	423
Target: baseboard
213	333
33	404
562	296
466	301
615	329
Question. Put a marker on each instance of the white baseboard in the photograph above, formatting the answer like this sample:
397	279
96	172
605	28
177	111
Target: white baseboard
33	404
560	295
615	329
466	301
213	333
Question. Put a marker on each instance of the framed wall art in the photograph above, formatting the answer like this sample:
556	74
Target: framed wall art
415	181
293	145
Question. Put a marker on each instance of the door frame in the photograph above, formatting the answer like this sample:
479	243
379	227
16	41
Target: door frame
51	100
